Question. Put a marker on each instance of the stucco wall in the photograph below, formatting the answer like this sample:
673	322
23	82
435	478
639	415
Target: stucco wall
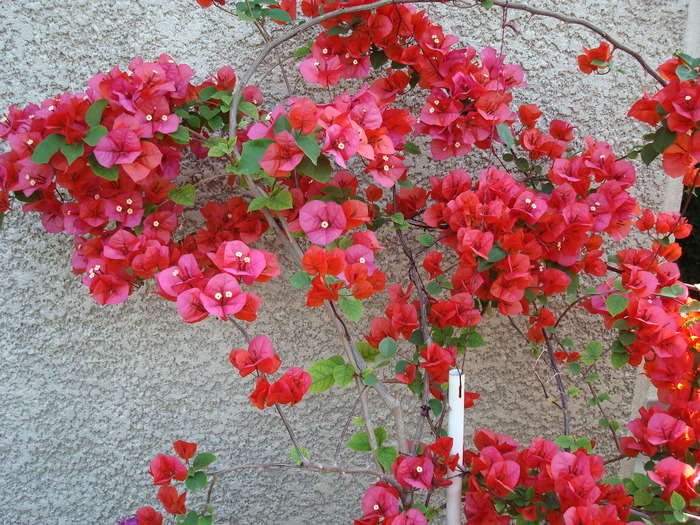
88	395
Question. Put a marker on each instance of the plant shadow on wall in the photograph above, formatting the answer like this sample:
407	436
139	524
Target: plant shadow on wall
519	239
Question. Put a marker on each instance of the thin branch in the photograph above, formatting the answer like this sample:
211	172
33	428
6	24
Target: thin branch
347	425
560	383
605	416
588	25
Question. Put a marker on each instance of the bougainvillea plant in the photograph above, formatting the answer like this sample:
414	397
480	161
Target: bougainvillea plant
329	179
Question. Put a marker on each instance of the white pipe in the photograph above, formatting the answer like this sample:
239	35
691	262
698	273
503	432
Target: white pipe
455	429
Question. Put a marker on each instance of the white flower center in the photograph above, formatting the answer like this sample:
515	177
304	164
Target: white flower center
324	224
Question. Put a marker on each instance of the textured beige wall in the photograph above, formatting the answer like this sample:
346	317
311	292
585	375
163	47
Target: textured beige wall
89	394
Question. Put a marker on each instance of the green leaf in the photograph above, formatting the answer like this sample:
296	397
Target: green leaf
252	152
369	379
278	14
487	4
184	195
367	351
642	498
106	173
250	109
677	501
301	279
295	454
680	516
93	136
626	337
310	147
93	115
405	184
302	52
505	135
73	151
410	147
322	375
426	239
203	460
575	368
616	304
280	200
360	442
378	58
619	360
2	219
564	441
208	92
522	164
181	135
685	73
320	171
387	347
197	481
338	30
640	480
567	342
594	348
47	148
192	518
663	138
205	520
343	374
433	288
436	406
691	61
649	153
386	457
600	63
474	339
282	124
380	434
351	307
257	203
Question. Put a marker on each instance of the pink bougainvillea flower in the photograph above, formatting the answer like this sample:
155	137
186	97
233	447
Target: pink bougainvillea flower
176	279
190	307
282	156
119	146
322	221
260	356
410	517
380	501
222	296
166	468
237	259
414	472
148	159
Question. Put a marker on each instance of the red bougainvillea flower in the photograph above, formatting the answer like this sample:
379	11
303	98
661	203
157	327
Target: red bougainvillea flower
165	468
323	222
173	502
184	449
602	53
208	3
290	388
149	516
259	395
260	356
